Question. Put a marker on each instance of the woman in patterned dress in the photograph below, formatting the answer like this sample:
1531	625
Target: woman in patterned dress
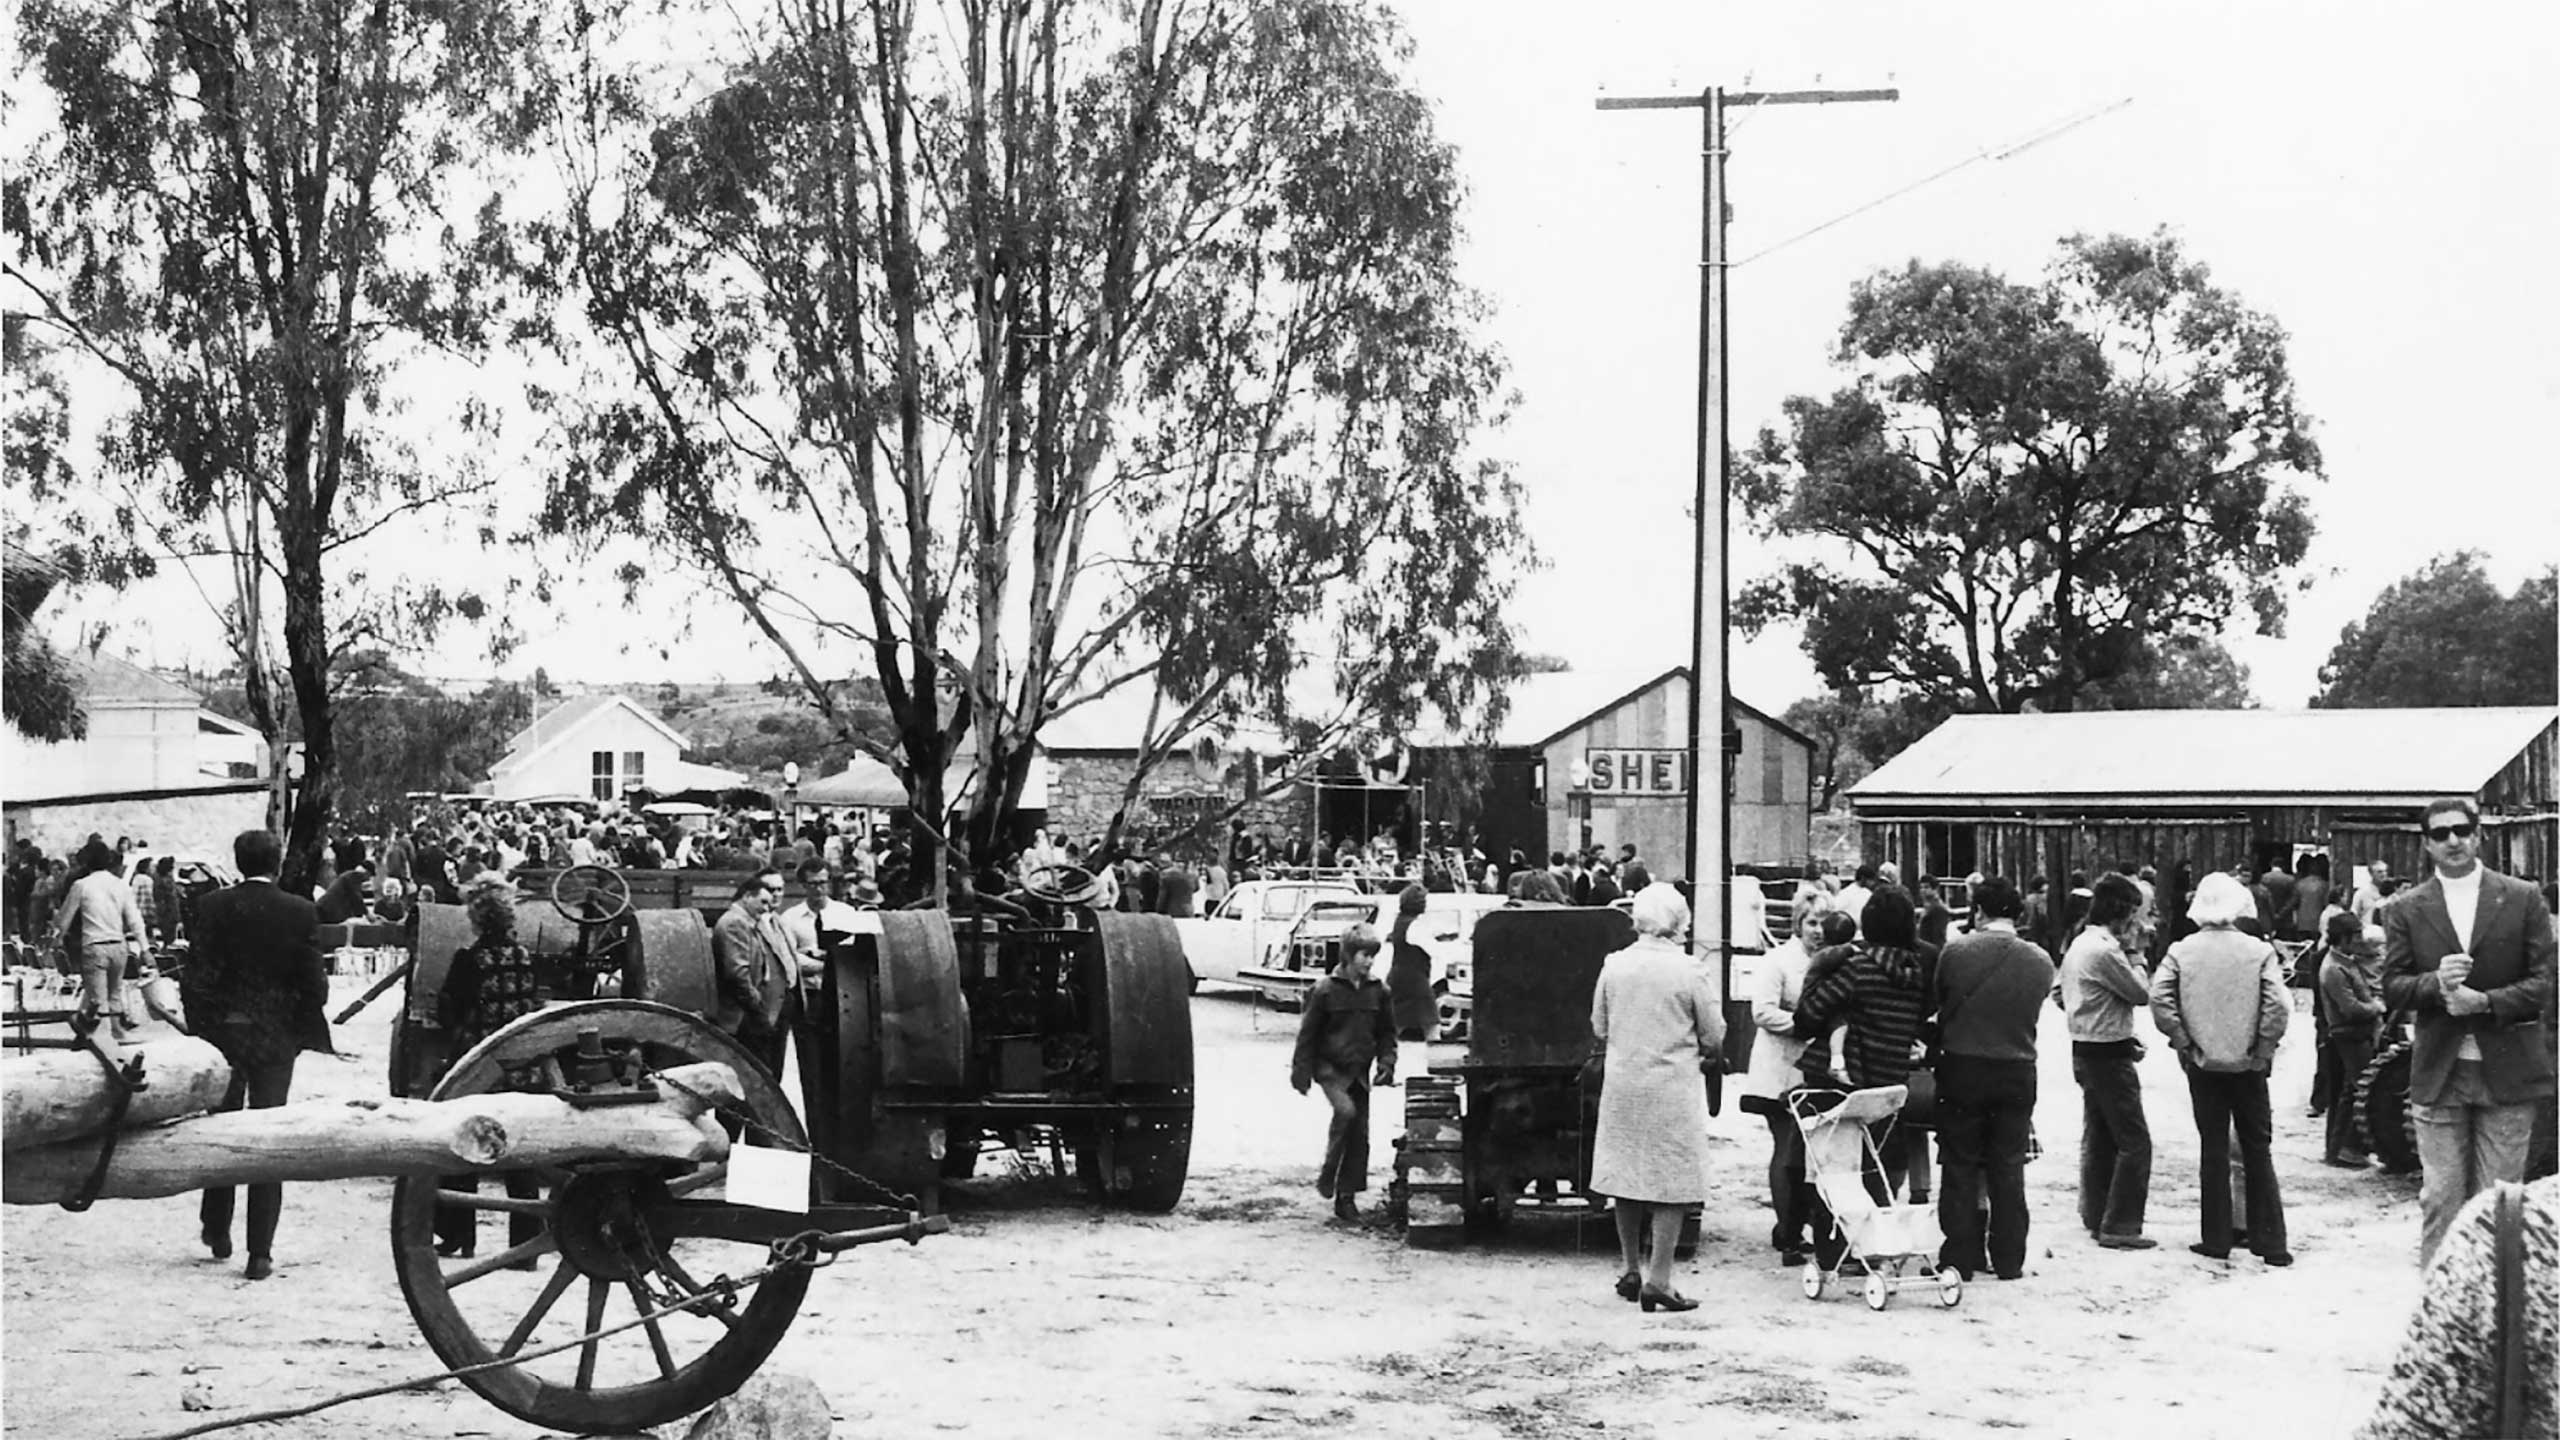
1655	1014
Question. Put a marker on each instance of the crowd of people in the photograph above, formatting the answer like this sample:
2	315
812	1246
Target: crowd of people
1877	986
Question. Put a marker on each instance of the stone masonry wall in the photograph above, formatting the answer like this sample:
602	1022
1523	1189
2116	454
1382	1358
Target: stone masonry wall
173	824
1084	790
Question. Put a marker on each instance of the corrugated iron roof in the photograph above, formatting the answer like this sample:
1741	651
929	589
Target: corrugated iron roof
2173	755
108	681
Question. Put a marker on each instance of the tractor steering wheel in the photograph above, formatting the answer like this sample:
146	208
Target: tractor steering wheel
1061	885
603	880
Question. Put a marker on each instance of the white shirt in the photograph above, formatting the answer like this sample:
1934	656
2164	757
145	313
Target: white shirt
2461	902
2462	906
1852	902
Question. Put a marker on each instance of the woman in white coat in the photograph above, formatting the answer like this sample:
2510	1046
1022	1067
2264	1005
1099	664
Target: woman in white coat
1655	1018
1775	987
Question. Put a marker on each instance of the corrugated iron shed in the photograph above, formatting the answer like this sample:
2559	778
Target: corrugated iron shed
2168	758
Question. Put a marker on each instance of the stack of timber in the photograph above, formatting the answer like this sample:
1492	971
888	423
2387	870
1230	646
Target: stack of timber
56	1106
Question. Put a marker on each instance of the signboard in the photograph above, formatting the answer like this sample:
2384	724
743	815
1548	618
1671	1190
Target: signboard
1652	773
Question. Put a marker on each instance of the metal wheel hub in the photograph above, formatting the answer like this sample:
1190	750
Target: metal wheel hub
597	1220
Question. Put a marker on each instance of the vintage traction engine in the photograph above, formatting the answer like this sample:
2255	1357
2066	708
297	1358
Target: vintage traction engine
929	1034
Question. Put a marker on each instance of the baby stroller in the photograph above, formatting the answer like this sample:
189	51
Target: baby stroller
1839	1151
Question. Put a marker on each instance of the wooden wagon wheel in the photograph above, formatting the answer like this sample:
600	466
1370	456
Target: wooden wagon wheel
624	1237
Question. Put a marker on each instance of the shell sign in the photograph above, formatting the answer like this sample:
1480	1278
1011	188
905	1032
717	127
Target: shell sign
1636	772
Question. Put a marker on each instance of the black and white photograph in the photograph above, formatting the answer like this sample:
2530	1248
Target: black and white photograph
803	719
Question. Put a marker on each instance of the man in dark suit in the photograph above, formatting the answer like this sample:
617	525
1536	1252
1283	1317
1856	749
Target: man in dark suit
756	994
2469	953
257	989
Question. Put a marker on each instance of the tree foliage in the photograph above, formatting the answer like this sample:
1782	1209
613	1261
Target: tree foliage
2444	635
1019	354
2031	484
398	734
253	216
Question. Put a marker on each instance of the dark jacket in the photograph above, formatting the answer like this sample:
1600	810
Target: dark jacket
1882	993
2511	962
1991	988
255	985
1345	1031
1409	981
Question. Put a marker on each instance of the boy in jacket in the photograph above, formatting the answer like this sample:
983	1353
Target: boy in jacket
1346	1043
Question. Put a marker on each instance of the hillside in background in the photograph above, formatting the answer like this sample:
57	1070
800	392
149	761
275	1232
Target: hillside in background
757	728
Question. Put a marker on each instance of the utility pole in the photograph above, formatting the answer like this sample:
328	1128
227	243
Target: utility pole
1710	816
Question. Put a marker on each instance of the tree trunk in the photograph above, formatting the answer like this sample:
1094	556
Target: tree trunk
306	645
63	1094
342	1140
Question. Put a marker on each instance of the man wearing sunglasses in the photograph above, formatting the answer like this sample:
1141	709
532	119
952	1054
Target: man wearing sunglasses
2468	953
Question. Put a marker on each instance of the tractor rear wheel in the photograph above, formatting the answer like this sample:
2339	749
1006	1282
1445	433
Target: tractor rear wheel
2383	1117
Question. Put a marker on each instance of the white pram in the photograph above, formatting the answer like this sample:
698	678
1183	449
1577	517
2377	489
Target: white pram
1886	1235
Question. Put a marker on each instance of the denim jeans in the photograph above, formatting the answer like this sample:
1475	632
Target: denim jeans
2349	1052
1346	1140
1984	1110
2225	1101
2463	1149
2115	1140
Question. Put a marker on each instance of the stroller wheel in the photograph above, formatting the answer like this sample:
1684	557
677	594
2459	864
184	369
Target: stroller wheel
1814	1279
1950	1287
1879	1289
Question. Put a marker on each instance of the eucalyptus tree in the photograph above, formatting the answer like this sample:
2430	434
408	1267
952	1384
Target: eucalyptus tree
1018	353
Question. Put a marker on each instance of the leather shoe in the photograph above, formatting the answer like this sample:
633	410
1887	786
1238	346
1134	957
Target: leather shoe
2209	1252
1630	1285
2127	1242
218	1243
2346	1162
260	1267
1344	1208
2278	1259
1650	1300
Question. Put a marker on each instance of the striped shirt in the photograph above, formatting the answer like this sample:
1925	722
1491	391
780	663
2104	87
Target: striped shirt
1882	993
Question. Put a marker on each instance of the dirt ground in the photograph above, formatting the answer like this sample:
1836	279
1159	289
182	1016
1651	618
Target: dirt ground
1247	1313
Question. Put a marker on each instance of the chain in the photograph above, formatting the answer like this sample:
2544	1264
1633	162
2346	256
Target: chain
896	1199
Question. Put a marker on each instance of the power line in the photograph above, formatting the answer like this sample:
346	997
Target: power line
2029	142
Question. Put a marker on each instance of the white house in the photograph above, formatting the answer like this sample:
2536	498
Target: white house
155	765
599	747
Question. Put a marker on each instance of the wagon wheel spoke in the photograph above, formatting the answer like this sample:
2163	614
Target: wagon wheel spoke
597	1290
551	1293
474	1200
539	1245
657	1337
670	1268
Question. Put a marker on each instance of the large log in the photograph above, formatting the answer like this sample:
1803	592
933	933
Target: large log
339	1140
63	1094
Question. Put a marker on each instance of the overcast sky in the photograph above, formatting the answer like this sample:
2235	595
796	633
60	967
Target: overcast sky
2381	178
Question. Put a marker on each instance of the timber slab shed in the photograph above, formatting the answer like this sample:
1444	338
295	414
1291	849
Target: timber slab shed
2027	795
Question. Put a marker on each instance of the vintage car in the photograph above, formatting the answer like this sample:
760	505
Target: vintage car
1446	932
1254	921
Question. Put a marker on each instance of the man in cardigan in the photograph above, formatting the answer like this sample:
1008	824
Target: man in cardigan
2469	953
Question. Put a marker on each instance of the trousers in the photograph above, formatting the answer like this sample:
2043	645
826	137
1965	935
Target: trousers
2227	1101
2349	1052
2465	1145
1985	1110
2115	1140
258	1087
1346	1139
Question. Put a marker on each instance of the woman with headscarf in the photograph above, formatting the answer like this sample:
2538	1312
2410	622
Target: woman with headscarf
2101	985
2219	999
1655	1019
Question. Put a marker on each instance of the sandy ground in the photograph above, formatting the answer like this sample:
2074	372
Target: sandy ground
1247	1313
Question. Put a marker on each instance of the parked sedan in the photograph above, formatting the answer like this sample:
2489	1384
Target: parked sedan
1445	931
1254	921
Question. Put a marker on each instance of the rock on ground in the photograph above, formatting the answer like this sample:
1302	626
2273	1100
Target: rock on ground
772	1405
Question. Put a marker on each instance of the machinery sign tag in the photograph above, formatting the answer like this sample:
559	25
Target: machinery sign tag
1637	772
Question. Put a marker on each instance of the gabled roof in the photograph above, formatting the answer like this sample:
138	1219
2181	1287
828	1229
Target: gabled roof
104	680
555	724
1548	706
2187	756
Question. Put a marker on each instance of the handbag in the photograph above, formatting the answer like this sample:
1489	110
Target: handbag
1595	1068
1920	1103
